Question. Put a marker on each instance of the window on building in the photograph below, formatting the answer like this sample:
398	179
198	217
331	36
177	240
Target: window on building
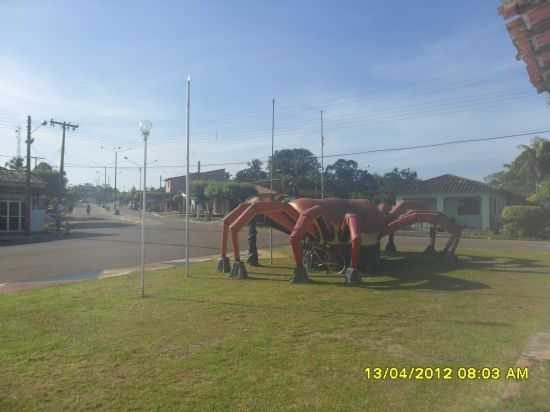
3	216
469	206
11	216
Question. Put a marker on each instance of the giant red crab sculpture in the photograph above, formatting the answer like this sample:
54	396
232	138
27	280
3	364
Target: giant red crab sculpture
349	230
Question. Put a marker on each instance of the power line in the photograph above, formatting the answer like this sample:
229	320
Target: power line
381	150
433	145
403	112
413	112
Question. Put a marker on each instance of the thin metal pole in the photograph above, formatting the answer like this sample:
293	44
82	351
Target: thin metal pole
18	134
187	183
322	159
271	177
28	208
62	166
116	166
143	202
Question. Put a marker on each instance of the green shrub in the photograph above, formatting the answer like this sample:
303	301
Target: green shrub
526	221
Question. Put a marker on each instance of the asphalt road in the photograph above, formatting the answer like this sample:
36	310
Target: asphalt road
105	242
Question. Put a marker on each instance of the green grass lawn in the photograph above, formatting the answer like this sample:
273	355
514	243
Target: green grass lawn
210	343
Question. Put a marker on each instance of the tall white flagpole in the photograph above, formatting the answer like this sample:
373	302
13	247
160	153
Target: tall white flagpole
187	183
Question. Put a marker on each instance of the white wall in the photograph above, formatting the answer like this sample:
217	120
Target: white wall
38	219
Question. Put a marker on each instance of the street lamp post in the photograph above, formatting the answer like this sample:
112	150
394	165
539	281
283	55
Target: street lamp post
145	128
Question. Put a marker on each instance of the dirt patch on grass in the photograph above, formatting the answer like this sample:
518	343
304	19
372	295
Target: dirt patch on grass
538	349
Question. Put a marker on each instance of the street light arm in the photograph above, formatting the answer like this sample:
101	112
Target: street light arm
44	123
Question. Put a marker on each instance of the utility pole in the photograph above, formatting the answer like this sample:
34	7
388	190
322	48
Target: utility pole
28	207
271	177
64	126
116	149
199	170
105	181
322	159
160	182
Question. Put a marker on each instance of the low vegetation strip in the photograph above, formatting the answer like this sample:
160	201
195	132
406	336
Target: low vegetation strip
210	343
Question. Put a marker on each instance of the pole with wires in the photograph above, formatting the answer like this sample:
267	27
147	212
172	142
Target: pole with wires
64	127
187	183
271	177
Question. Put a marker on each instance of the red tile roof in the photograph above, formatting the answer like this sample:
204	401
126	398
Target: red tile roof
528	23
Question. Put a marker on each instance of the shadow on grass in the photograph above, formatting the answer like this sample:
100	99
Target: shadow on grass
416	271
504	264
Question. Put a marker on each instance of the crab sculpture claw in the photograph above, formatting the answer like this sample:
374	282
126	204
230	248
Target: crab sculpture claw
352	276
224	265
300	275
238	271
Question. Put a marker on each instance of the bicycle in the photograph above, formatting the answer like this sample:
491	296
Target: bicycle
323	257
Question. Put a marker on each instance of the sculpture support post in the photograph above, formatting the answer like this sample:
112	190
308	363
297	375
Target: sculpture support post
252	243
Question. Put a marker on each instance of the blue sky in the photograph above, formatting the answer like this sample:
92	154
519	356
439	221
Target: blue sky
386	73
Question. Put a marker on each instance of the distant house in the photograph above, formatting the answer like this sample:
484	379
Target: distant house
13	202
176	186
472	204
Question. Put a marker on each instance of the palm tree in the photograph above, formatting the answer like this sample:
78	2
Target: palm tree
533	164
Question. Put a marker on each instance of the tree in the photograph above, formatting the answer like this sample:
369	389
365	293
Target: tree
542	195
239	192
54	185
527	170
297	169
390	182
234	192
253	173
216	192
15	163
197	192
345	179
534	161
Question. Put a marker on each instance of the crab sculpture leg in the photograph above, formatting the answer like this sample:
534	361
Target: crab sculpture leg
281	214
301	229
437	219
224	264
352	274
